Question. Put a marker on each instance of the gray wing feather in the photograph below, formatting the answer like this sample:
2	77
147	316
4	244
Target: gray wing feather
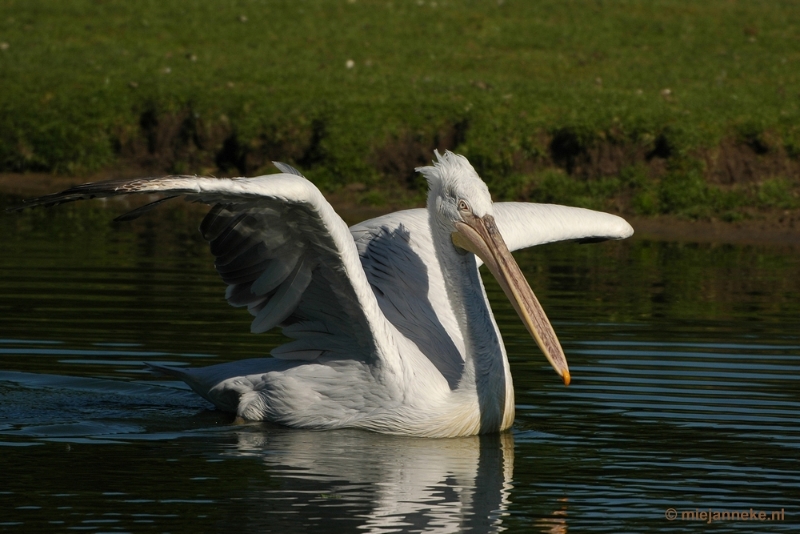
288	169
285	300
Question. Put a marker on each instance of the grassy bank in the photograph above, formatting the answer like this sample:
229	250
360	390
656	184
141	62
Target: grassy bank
639	106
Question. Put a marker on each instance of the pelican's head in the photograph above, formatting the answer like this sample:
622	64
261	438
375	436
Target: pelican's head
460	201
455	189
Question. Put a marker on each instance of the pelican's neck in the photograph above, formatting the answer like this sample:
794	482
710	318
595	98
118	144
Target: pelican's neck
486	368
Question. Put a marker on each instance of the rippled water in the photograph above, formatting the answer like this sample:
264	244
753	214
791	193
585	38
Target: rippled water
686	395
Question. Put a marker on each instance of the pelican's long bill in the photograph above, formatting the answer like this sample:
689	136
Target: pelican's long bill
480	236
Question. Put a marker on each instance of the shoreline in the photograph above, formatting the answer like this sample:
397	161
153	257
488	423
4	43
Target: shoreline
774	229
778	227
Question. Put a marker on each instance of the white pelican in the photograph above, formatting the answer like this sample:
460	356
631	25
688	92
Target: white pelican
391	325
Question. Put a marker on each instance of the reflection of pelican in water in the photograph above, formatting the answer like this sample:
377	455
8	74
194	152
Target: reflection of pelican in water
443	485
391	325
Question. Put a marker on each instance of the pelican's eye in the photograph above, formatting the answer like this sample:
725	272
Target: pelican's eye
463	206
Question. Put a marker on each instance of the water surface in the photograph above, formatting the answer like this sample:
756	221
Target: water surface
686	393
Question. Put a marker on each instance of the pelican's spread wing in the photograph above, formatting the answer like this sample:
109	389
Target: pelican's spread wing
524	225
284	253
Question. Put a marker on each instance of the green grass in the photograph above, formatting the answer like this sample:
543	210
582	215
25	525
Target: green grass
209	86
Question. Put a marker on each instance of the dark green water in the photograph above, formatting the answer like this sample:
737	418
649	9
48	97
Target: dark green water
686	394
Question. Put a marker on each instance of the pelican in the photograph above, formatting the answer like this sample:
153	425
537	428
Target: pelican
390	324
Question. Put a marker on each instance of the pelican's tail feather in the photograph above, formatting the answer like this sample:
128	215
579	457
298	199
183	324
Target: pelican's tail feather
224	384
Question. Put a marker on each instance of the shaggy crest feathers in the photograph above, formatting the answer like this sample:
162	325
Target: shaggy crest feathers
452	176
445	170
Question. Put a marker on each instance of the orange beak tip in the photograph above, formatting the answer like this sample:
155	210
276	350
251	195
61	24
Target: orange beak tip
566	378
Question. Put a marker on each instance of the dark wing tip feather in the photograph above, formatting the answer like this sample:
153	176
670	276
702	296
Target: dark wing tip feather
78	192
138	212
92	190
588	240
